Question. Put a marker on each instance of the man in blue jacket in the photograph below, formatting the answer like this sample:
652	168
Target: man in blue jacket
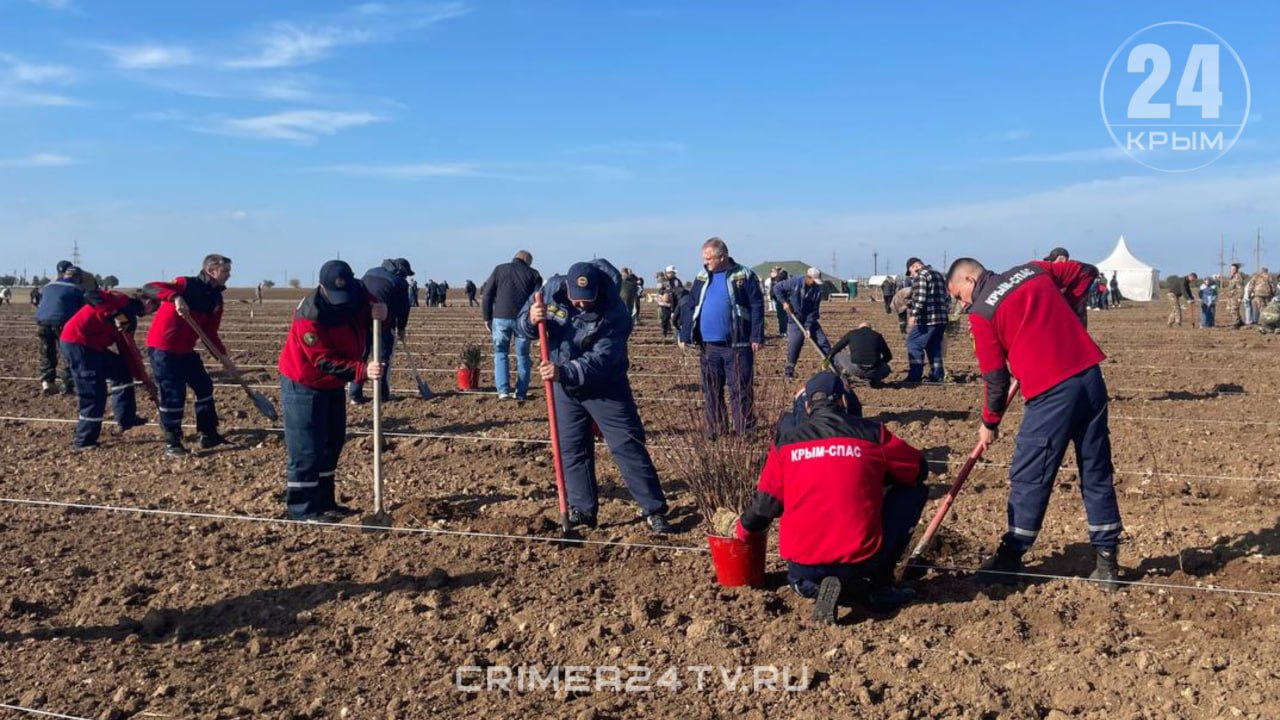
801	297
388	283
724	316
59	300
587	330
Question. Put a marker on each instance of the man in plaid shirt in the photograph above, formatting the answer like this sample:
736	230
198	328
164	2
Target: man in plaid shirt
928	320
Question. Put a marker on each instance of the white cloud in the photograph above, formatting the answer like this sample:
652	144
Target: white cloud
505	171
238	215
289	44
148	57
24	84
1014	135
301	126
38	160
1106	154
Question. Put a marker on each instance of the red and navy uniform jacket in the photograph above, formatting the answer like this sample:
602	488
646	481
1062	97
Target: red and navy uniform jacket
1029	321
826	478
326	343
97	326
169	332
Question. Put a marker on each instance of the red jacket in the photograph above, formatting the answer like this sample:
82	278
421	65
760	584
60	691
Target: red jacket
1030	321
169	332
325	347
826	477
96	326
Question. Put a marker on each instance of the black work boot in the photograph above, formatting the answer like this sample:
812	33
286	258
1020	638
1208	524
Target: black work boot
210	440
1002	568
577	518
827	601
173	444
1107	572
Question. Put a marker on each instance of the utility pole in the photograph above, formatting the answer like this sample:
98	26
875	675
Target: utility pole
875	263
944	259
834	268
1222	268
1257	251
75	253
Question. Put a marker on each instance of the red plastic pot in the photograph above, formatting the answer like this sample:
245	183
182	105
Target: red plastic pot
736	562
468	379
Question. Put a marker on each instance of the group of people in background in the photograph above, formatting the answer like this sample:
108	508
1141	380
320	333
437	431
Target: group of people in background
1249	300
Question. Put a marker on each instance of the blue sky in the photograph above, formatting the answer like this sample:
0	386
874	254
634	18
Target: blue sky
454	133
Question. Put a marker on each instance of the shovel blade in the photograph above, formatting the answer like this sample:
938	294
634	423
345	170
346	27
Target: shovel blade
264	406
424	390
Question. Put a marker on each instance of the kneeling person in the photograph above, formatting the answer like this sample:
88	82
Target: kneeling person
868	357
849	494
587	330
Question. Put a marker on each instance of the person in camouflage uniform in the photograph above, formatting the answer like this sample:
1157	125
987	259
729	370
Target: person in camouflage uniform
1262	288
1233	293
1178	290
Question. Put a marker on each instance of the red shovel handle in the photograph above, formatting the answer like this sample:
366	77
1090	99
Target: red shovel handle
548	388
956	487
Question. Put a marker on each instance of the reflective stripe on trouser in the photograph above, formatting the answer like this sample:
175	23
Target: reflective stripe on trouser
619	423
1074	411
722	364
796	340
388	344
922	341
899	515
175	372
91	369
315	428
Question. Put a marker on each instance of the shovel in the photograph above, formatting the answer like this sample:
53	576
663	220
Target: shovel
910	569
549	390
260	401
423	389
380	518
807	336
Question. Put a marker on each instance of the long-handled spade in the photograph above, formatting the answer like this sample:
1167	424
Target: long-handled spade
911	569
380	517
423	389
807	335
549	390
260	401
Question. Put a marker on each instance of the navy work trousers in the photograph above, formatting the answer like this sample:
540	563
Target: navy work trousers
796	339
619	421
91	369
1073	411
175	372
721	365
899	515
315	429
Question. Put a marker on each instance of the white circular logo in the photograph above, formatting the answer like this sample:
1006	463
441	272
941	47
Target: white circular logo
1179	98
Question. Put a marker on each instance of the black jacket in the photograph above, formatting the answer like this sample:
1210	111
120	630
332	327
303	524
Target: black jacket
391	289
507	289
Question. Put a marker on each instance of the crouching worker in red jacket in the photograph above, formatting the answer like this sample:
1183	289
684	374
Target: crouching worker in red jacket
849	494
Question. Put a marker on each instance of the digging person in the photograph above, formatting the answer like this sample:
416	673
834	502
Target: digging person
105	320
324	351
801	298
1027	323
849	494
588	326
171	343
389	286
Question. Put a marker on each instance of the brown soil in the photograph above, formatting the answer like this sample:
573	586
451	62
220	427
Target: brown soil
121	614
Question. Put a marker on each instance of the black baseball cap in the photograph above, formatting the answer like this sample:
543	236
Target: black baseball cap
1058	252
913	261
63	265
337	280
584	281
824	385
403	267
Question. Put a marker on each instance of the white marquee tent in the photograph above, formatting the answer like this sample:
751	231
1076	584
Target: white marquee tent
1138	280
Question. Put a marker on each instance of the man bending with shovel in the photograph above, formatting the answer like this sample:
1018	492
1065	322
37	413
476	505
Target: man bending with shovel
587	330
801	298
171	343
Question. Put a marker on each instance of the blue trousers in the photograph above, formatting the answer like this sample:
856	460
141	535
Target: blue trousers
782	317
175	372
619	423
315	429
388	344
924	340
91	369
1074	411
1208	313
899	515
503	330
796	340
721	365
